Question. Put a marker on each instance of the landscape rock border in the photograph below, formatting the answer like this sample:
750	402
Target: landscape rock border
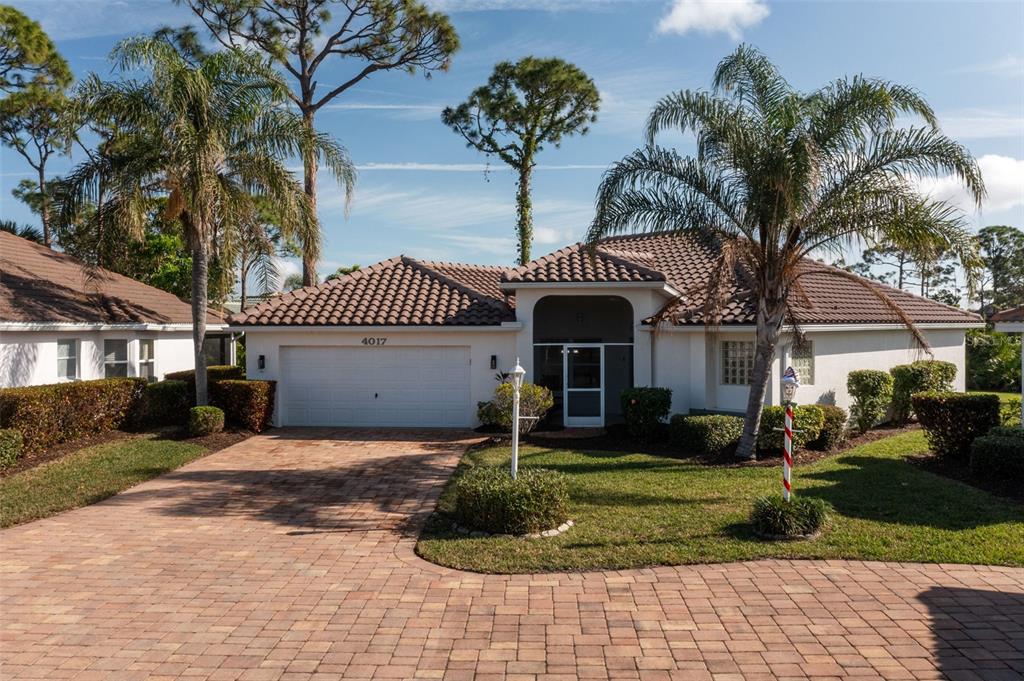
554	532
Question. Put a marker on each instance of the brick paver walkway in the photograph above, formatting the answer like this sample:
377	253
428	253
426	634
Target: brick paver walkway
290	556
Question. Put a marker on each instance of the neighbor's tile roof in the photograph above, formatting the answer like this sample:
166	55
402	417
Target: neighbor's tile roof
405	291
41	285
401	291
1014	314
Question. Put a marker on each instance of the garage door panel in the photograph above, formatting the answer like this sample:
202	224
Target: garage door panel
417	386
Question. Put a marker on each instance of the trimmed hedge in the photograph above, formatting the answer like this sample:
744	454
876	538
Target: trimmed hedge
871	391
833	428
952	421
166	403
807	422
205	421
47	415
488	499
216	372
923	376
1000	456
534	400
249	404
709	435
644	410
772	516
11	444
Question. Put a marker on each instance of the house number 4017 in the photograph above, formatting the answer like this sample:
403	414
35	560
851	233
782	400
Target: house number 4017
374	341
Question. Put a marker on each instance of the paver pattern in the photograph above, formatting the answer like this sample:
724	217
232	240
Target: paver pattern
290	556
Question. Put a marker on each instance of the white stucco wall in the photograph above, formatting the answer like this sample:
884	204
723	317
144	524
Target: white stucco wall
268	342
30	357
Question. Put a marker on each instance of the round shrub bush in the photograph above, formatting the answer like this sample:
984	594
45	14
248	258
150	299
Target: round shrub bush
922	376
534	400
800	517
11	444
205	421
1000	456
952	421
871	391
709	435
645	410
807	422
833	428
489	499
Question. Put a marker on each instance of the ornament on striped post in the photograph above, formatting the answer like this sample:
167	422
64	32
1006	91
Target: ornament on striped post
790	382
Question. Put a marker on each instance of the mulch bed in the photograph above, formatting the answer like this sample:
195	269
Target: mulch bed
212	443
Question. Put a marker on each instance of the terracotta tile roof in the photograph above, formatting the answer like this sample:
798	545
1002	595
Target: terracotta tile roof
401	291
41	285
1014	314
575	264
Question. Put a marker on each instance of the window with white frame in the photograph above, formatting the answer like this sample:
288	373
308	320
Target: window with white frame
115	358
802	361
737	362
67	359
147	359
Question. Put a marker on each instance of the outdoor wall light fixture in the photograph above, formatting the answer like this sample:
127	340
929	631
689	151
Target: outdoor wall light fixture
494	361
261	362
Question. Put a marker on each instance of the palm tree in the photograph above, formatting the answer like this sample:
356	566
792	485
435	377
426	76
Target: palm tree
780	175
24	231
209	132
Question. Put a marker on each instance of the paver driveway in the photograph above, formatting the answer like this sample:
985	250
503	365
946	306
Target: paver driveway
290	556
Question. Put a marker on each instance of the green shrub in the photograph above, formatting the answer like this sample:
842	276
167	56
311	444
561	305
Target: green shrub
1008	431
709	435
1000	457
166	403
772	516
1009	412
872	393
922	376
644	410
833	428
807	422
993	360
249	404
11	443
488	499
953	420
47	415
534	400
205	421
215	372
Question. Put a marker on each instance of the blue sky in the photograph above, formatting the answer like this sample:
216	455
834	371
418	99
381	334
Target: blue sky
422	193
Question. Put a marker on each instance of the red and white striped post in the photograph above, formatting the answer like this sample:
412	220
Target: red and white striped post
790	382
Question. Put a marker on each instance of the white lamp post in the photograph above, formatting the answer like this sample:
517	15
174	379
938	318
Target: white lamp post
790	382
518	373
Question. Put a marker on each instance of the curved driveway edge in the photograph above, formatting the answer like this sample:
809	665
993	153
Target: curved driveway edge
290	556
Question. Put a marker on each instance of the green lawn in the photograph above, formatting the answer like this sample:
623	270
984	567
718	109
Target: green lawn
88	476
1003	397
636	510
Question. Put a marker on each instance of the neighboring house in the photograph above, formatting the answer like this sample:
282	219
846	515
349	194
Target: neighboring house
412	343
1012	321
59	322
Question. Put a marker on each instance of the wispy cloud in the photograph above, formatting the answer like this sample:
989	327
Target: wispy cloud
411	112
1004	182
471	167
981	124
713	16
73	19
1012	65
548	5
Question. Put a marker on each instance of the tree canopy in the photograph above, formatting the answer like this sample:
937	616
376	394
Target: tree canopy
27	55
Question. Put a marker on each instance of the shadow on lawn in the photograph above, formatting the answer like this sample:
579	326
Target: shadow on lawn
978	633
894	491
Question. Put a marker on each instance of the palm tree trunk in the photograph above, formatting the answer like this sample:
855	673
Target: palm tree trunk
769	326
241	286
44	207
309	169
524	212
200	271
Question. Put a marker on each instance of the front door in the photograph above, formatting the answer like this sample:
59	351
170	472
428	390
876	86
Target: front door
584	385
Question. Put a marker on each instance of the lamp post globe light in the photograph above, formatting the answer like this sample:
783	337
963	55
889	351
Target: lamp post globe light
517	374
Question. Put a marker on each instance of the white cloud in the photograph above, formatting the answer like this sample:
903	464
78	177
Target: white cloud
1004	182
1012	65
73	19
982	124
488	5
713	16
470	167
286	267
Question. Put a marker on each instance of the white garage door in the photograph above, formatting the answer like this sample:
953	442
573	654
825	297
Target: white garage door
389	386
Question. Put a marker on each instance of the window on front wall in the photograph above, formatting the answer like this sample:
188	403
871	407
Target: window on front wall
115	358
67	359
737	362
147	359
802	361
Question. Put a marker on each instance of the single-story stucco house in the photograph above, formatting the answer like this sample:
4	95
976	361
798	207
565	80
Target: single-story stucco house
412	343
59	322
